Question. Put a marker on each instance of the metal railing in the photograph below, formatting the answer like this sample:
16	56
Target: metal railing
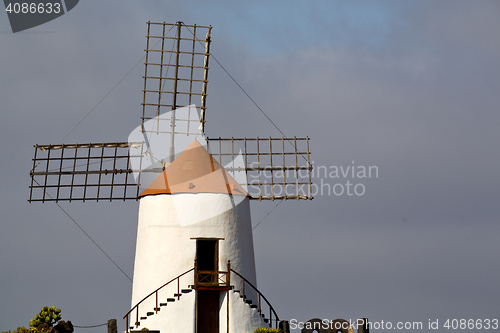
260	297
210	279
155	292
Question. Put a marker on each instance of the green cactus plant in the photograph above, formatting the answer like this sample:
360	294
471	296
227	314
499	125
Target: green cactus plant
267	330
48	316
42	322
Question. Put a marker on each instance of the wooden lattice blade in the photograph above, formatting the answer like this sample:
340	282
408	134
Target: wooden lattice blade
82	172
267	168
175	71
270	168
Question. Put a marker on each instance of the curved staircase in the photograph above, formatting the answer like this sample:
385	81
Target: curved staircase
206	280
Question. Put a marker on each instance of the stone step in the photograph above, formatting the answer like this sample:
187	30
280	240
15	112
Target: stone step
150	313
186	291
177	295
157	309
170	299
248	301
144	318
163	304
253	306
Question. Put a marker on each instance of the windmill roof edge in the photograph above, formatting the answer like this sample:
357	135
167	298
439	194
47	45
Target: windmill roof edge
194	171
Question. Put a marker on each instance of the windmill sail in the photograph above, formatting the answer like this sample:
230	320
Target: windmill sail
267	168
83	172
175	80
175	74
271	168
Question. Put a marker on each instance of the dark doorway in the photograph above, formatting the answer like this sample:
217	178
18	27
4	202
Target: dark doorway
206	254
207	305
207	260
208	311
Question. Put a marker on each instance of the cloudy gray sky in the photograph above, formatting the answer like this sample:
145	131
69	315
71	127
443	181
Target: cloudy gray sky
411	87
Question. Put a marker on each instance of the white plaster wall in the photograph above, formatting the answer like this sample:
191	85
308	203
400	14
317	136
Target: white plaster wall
165	247
242	319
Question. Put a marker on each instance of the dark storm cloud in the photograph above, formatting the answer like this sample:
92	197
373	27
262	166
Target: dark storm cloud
410	88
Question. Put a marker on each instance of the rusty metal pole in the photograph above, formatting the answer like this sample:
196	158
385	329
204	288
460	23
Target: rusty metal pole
174	98
137	317
178	289
195	275
145	80
205	80
195	285
243	289
195	271
228	286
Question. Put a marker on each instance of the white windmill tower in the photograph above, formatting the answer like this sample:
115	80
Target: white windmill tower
194	266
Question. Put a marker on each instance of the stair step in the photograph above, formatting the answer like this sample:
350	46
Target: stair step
150	313
253	306
236	291
170	299
185	291
248	301
163	304
177	295
157	309
266	320
144	318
